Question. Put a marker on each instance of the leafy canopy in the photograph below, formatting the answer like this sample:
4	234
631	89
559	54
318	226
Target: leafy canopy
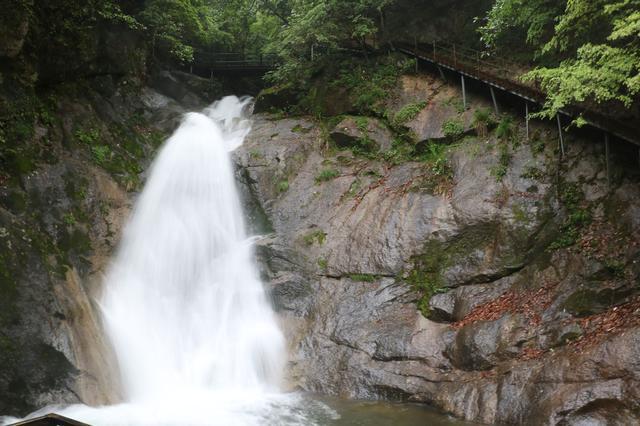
591	47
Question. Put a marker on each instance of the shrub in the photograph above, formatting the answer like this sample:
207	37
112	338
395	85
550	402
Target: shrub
500	170
88	137
362	123
367	278
326	175
408	113
578	216
100	153
322	263
453	128
482	119
506	130
69	219
283	186
314	237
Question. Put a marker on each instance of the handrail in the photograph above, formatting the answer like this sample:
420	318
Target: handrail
503	74
234	60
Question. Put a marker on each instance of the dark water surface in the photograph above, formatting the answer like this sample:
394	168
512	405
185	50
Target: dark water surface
379	413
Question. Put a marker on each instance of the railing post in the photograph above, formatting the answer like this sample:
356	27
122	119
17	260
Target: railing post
464	92
478	62
526	117
415	51
606	158
455	59
434	50
561	137
495	102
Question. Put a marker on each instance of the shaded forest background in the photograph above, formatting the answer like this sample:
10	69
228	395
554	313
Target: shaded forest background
580	50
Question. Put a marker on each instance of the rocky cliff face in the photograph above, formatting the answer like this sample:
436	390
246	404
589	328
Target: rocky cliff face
80	119
491	279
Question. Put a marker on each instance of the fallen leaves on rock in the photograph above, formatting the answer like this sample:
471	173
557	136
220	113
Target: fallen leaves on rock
530	303
604	242
531	353
598	327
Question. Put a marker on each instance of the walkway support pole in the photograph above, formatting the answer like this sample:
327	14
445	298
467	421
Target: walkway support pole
464	93
441	73
526	117
495	103
561	136
606	159
455	58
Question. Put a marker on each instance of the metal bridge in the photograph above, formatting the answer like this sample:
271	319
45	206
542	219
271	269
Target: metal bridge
214	62
498	73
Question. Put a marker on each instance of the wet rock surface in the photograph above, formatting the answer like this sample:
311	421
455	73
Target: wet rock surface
61	214
350	252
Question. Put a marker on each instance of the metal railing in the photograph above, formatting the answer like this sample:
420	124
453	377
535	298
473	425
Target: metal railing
499	71
232	60
504	74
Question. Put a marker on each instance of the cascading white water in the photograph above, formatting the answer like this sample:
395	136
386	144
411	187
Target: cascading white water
195	337
183	304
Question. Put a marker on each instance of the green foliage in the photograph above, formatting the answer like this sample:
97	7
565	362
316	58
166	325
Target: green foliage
506	130
283	186
175	25
457	104
362	123
426	279
408	112
69	219
516	22
402	150
436	157
323	264
315	29
368	85
482	120
326	175
453	128
578	215
504	158
87	137
100	154
366	278
591	48
299	129
534	173
315	237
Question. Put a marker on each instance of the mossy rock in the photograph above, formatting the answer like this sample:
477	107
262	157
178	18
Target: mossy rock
585	302
275	98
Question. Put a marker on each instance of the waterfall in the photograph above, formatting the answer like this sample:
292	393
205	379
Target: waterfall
195	337
183	304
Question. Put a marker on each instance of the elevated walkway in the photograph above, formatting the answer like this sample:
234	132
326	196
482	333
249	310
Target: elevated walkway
215	62
498	73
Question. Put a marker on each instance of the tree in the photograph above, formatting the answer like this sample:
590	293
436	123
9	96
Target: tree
315	28
592	51
175	26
